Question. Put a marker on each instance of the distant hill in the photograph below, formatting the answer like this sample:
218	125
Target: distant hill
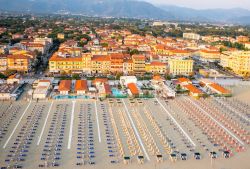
210	15
115	8
127	8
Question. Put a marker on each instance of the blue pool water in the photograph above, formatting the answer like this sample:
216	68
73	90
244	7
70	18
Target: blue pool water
117	93
70	97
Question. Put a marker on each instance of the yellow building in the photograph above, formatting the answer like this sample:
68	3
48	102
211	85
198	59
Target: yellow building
1	50
138	64
70	51
25	52
209	56
86	59
58	64
20	63
238	61
101	64
128	67
160	49
70	59
3	62
181	67
242	39
156	67
60	36
247	45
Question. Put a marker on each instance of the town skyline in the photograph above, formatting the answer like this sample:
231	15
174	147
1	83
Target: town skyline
78	91
211	12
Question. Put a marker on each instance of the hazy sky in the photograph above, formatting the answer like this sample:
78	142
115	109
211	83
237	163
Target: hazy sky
205	4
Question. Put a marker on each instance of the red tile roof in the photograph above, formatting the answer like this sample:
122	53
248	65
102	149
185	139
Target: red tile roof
193	89
44	80
183	80
17	57
133	88
179	51
219	88
210	52
100	58
81	85
160	47
156	63
100	80
157	77
65	85
116	56
55	57
139	57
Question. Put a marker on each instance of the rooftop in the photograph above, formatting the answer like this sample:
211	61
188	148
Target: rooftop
193	89
81	85
219	88
133	88
65	85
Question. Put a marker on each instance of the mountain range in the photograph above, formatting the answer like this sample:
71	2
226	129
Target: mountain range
128	8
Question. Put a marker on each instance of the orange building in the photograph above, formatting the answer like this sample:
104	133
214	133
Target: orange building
20	63
116	62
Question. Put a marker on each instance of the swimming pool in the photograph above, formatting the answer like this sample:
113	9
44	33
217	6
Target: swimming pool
70	97
117	93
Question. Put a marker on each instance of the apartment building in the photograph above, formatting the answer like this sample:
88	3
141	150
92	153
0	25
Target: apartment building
86	59
20	63
156	67
181	67
128	67
100	64
139	64
116	62
191	36
209	55
238	61
58	64
3	62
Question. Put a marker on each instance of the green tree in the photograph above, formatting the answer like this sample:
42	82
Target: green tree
75	76
178	87
134	52
104	44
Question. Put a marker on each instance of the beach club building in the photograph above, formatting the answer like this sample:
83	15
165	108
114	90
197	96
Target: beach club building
64	87
42	89
81	87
